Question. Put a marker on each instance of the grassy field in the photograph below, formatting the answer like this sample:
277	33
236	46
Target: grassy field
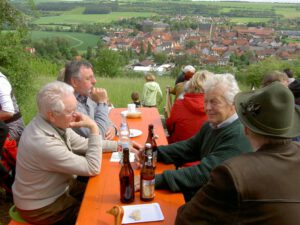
80	41
75	17
119	91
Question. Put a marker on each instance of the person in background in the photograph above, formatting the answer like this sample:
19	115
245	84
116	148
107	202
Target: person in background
275	76
50	154
290	75
295	89
188	114
135	97
91	101
220	138
181	81
9	109
261	187
187	71
152	95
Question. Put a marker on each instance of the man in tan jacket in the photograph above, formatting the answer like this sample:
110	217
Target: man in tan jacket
51	154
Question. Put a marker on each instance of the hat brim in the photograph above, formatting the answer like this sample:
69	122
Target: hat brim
244	97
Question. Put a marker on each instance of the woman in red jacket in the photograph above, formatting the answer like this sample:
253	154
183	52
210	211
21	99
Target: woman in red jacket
187	114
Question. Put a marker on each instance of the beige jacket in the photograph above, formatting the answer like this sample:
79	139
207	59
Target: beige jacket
46	163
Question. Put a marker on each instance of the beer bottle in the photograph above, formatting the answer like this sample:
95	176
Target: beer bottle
126	176
151	140
147	181
124	136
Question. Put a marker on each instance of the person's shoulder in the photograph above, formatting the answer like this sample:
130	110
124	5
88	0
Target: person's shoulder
240	161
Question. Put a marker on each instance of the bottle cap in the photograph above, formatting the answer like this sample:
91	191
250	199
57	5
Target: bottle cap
148	145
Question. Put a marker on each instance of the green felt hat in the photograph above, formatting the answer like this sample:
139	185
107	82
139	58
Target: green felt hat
269	111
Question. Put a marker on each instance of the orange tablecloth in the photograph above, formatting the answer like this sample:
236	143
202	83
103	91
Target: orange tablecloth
103	192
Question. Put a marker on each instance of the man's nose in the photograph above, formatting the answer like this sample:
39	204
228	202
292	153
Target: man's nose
207	106
94	80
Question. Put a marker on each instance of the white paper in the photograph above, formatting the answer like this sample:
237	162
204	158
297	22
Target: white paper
116	158
149	212
135	132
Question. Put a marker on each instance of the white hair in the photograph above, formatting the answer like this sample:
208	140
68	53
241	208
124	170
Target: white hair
189	68
49	98
225	80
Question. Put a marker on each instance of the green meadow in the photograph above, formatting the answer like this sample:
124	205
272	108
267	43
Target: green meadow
80	41
119	91
76	17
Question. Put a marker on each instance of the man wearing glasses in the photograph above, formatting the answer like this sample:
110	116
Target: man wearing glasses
50	156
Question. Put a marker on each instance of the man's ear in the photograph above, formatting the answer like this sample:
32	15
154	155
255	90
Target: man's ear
50	117
74	82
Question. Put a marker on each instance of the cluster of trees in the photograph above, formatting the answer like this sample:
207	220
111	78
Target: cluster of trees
93	8
57	6
14	60
244	60
250	13
56	49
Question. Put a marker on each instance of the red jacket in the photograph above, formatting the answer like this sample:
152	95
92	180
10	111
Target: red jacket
187	117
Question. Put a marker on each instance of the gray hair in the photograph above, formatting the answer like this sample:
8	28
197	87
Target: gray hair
72	70
225	80
49	98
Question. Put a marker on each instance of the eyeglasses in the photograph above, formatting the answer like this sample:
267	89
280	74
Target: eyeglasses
73	113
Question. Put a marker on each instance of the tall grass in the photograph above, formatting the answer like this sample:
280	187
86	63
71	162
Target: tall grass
119	91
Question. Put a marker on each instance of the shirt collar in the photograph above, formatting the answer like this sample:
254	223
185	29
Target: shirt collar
226	122
80	98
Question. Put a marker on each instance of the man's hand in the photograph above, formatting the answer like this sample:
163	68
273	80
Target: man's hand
137	185
82	120
99	95
138	151
5	115
110	133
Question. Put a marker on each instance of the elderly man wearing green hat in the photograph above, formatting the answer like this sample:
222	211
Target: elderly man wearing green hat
261	187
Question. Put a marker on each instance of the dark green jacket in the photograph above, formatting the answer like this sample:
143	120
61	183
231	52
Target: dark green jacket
211	146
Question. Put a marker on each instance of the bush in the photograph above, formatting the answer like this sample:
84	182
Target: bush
14	63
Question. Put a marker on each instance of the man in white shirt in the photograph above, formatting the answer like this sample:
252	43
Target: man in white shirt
9	110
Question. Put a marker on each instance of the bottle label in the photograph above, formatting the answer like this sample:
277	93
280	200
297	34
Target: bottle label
148	187
154	155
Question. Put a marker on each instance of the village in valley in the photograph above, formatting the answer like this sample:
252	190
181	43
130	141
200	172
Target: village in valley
211	43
